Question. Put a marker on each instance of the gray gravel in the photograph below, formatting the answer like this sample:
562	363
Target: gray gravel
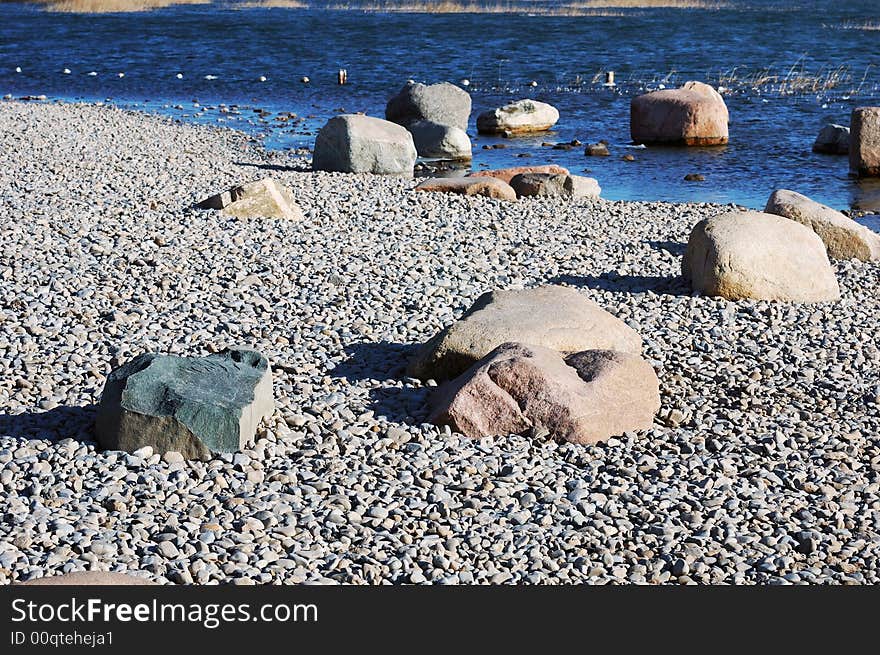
761	468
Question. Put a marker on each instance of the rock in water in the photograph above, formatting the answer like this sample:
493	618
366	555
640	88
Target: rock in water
443	103
842	236
555	317
351	143
469	186
507	174
436	141
520	117
597	150
694	115
832	140
193	405
265	198
583	398
555	185
864	142
755	255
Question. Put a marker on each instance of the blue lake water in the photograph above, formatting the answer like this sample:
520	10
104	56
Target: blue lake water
817	62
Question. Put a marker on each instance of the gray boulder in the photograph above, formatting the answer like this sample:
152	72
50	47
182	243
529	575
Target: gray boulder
832	140
442	103
554	185
436	141
193	405
352	143
520	117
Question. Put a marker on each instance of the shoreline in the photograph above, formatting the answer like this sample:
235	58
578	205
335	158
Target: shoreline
759	467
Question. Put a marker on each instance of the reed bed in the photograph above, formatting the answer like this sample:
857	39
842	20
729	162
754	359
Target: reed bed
113	6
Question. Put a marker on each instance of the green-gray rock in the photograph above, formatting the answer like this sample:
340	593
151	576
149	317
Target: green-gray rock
192	405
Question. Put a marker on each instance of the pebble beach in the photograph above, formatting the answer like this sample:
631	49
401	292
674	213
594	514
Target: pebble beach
761	467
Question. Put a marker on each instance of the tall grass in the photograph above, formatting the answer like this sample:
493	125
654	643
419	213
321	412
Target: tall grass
113	6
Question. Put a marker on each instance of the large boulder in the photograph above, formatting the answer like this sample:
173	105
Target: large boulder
507	174
694	115
520	117
864	141
436	141
442	103
193	405
555	185
264	198
583	398
755	255
842	236
832	140
89	579
553	316
469	186
352	143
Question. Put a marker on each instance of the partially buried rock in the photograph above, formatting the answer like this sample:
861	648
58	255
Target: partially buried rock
555	185
89	579
520	117
832	140
507	174
193	405
694	115
489	187
584	398
842	236
597	150
443	103
555	317
741	255
352	143
265	198
435	141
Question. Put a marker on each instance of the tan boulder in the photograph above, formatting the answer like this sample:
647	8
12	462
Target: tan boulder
556	317
761	256
89	579
507	174
262	199
583	398
864	141
842	236
694	115
469	186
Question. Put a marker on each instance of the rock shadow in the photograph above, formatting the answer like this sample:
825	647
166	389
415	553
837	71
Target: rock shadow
385	361
63	422
617	283
672	247
275	167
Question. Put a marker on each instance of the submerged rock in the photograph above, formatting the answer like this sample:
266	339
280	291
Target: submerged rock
351	143
694	115
842	236
832	140
585	397
741	255
520	117
552	316
597	150
193	405
264	198
443	103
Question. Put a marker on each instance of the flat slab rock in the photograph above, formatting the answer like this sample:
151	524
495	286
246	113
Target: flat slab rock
264	198
842	236
507	174
693	115
89	579
489	187
555	185
741	255
556	317
194	405
583	398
